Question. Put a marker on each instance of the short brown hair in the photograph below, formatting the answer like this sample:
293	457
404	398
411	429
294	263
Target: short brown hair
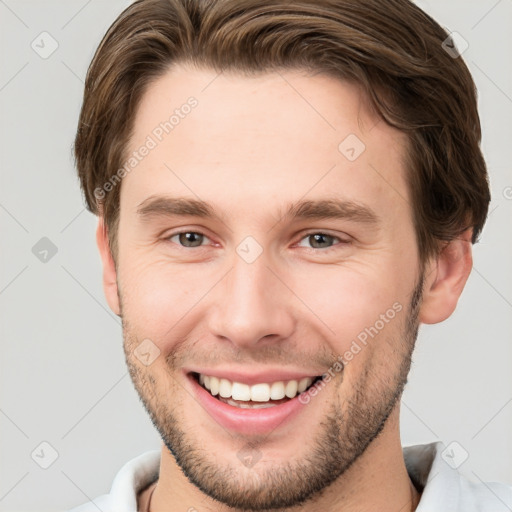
390	48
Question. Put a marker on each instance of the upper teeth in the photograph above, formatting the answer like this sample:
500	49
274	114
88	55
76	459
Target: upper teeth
258	393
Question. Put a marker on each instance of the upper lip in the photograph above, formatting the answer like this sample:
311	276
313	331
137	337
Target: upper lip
255	377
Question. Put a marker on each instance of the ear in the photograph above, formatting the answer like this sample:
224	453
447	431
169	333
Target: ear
445	279
109	268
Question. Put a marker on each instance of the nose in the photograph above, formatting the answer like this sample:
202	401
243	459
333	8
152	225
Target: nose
252	305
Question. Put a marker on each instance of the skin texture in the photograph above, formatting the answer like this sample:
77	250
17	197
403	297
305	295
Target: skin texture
249	148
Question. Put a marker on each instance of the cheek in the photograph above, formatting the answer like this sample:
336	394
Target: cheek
353	306
167	303
154	297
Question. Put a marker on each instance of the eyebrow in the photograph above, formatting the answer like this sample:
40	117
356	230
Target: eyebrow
331	209
166	206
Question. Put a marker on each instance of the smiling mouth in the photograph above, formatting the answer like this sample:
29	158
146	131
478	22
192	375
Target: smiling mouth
257	396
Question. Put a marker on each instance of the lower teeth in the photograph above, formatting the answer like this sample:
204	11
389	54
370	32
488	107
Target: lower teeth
246	405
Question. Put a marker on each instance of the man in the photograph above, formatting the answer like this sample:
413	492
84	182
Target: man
285	191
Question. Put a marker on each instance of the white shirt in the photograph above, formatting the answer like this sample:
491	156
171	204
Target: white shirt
444	488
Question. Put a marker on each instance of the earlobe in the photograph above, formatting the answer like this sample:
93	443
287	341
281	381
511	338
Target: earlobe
445	280
109	268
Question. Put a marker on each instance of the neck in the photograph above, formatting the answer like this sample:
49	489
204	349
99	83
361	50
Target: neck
378	480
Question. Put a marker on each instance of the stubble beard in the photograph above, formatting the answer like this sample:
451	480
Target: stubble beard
344	435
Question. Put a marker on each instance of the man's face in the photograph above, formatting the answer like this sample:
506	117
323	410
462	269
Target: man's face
256	295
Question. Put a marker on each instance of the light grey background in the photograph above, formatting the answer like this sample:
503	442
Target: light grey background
63	379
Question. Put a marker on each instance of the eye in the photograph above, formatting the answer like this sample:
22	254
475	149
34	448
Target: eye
188	239
320	240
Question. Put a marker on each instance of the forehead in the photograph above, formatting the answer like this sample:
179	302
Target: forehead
273	134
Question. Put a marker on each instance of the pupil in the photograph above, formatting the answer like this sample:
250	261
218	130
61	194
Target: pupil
319	237
190	239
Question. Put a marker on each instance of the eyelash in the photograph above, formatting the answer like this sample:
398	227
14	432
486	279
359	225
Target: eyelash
306	235
341	242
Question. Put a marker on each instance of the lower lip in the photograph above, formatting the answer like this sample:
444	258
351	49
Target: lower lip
247	421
